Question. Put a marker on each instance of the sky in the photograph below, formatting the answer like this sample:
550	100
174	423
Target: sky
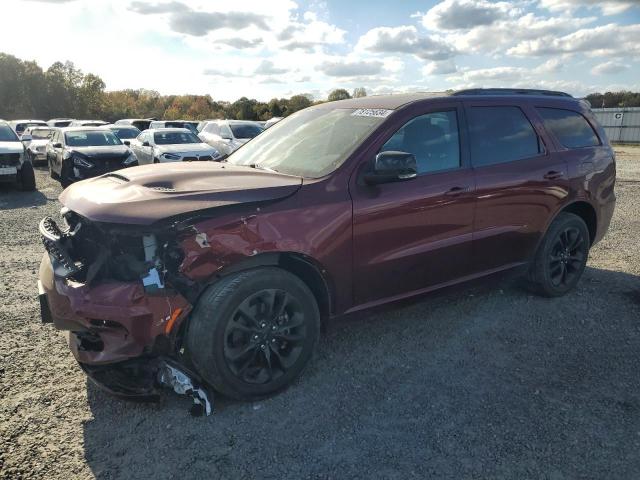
277	48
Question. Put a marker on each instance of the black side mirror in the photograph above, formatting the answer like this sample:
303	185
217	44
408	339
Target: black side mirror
127	142
57	145
392	167
146	144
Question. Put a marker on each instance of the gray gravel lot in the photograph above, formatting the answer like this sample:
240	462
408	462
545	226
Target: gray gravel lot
484	381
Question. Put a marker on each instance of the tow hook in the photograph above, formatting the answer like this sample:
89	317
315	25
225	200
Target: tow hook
172	376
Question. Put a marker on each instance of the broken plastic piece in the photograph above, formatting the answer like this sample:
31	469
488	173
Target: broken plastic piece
173	377
152	280
201	239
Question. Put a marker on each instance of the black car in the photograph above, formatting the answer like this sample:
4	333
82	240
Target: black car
76	153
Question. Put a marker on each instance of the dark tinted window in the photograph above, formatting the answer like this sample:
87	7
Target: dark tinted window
126	133
433	139
96	138
174	138
7	135
245	130
501	134
570	128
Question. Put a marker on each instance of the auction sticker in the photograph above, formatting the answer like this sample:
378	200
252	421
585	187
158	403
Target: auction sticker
372	112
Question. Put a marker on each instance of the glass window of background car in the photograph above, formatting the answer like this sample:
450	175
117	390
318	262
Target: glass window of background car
40	133
7	134
126	132
433	139
570	128
212	128
245	130
310	143
225	132
173	138
91	139
501	134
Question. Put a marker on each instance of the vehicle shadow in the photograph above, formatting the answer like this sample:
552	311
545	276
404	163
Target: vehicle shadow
12	197
482	380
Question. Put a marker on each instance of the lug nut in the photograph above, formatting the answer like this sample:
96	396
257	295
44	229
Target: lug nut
263	325
255	337
263	346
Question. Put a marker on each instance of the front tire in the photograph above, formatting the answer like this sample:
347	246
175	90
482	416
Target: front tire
253	333
27	177
561	257
65	174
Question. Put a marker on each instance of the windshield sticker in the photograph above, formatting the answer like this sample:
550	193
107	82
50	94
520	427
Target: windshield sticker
372	112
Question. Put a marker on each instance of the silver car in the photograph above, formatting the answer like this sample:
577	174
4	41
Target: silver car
171	145
14	168
227	136
19	126
35	141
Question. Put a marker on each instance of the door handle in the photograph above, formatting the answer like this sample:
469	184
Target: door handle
456	190
553	174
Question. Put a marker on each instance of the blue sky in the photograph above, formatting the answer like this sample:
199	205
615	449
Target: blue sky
264	49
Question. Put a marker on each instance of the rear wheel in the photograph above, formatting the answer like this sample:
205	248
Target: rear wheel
253	333
561	257
27	177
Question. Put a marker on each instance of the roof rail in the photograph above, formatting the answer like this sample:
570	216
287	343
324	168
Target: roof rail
509	91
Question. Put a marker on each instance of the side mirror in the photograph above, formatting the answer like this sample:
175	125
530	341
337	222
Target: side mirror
26	138
57	145
392	167
127	142
146	144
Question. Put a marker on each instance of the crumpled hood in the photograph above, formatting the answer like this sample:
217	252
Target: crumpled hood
11	147
98	153
143	195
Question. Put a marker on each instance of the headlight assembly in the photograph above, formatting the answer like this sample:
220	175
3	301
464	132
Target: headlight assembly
81	162
171	156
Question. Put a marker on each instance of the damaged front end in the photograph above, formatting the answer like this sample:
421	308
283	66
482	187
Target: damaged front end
117	291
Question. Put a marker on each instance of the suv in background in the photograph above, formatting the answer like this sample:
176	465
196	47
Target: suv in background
228	269
189	125
14	166
140	123
227	136
77	153
171	145
19	126
59	122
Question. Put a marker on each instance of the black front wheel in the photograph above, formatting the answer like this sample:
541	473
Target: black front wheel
561	256
253	332
27	177
65	174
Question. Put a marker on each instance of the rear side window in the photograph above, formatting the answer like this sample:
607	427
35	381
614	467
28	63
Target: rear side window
570	128
501	134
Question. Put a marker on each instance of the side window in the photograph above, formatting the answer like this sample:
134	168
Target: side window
433	139
212	128
225	131
570	128
501	134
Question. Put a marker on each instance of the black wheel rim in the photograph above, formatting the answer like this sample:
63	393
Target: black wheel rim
567	257
264	336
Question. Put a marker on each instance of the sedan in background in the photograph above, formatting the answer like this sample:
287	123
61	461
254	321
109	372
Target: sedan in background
171	145
76	153
189	125
19	126
126	133
88	123
35	141
227	136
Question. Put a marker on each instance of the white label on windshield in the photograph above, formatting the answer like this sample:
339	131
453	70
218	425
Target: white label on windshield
372	112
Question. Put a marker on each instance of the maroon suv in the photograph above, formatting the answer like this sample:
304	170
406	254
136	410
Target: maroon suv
225	271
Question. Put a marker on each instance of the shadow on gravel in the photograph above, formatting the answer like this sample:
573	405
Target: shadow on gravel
11	197
476	382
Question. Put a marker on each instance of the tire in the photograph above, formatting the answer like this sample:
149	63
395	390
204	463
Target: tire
561	256
240	345
155	160
65	177
52	173
27	177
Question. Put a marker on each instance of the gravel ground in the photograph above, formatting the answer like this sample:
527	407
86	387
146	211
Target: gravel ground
484	381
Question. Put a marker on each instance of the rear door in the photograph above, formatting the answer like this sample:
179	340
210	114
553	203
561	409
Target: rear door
519	183
412	235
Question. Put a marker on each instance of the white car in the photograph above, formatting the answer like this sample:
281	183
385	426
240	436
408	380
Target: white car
227	136
88	123
35	141
14	168
19	126
272	121
171	145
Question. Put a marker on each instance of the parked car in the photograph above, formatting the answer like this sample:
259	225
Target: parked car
203	123
171	145
88	123
230	268
77	153
126	133
272	121
140	123
14	167
59	122
35	140
19	126
174	124
227	136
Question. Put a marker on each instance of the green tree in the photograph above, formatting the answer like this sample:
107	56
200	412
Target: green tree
359	92
297	102
338	94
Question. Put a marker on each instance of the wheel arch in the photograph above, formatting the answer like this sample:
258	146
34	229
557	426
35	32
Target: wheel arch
584	210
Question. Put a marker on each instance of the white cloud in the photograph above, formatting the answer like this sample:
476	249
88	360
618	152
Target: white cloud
405	39
611	67
607	7
442	67
345	68
496	76
465	14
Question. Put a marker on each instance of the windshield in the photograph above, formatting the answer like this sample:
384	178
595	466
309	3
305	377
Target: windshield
40	133
174	138
98	138
7	134
311	143
245	130
186	125
21	127
126	132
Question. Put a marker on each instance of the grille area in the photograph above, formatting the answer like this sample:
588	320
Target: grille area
9	159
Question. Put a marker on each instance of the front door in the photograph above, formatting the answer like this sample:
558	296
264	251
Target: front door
413	235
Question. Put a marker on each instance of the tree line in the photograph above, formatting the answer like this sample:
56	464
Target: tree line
62	90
